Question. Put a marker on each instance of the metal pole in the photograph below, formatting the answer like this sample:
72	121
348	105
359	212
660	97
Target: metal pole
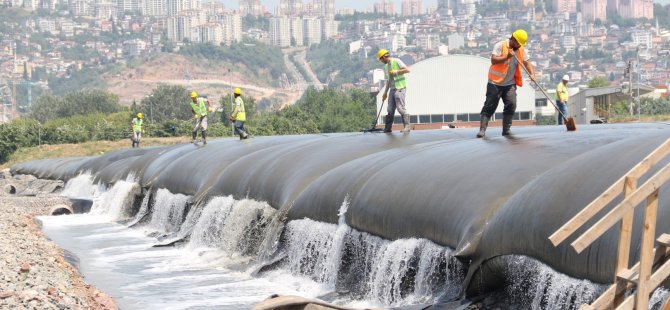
630	84
638	82
232	104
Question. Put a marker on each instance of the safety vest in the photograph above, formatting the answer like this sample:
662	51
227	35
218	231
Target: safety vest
497	72
561	92
399	79
137	124
201	108
239	106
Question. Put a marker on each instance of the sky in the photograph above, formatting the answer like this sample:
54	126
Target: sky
354	4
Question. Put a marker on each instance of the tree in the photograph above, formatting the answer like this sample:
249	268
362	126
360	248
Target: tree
598	81
45	108
166	102
84	102
90	101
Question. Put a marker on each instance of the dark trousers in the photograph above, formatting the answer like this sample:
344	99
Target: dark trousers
239	128
562	106
493	95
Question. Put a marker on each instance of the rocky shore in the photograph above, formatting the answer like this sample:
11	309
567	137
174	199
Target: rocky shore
33	272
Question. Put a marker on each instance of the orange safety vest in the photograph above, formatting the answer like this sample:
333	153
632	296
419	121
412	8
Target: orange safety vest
497	72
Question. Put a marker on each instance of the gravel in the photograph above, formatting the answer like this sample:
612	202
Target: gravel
33	272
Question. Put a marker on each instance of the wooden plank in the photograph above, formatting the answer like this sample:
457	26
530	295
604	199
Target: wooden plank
661	274
646	252
664	240
606	197
628	275
653	158
627	205
606	299
625	235
628	304
587	213
625	229
666	304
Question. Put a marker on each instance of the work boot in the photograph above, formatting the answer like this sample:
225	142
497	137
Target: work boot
195	135
483	123
388	123
204	137
405	123
507	124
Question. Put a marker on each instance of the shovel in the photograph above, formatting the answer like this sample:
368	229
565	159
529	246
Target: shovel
569	121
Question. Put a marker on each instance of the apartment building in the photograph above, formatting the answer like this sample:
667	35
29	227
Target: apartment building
410	8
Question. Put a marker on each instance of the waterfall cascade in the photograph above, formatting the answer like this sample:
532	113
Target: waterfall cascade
344	265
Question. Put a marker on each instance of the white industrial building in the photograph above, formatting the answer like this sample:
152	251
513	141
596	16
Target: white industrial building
451	89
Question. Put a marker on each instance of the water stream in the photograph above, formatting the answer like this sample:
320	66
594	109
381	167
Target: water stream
233	253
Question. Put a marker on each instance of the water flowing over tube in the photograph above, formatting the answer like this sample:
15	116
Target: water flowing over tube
487	199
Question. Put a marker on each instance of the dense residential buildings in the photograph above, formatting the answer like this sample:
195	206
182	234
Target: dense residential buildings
567	40
411	8
565	6
251	7
384	7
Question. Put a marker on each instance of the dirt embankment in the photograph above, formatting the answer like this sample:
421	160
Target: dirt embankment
137	82
33	272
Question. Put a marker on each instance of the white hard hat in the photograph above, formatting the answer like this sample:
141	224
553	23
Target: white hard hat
566	78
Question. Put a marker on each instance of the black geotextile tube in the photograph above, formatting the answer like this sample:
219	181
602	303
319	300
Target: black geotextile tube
485	198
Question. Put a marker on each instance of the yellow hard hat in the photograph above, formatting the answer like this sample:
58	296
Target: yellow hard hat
520	36
139	115
381	53
237	91
194	94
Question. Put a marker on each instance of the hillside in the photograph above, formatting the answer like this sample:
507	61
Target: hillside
136	80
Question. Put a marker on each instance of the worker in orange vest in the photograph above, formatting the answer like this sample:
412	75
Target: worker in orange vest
504	77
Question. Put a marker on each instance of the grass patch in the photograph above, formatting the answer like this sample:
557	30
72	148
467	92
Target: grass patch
92	148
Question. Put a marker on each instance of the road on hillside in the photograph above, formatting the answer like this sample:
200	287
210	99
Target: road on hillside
300	57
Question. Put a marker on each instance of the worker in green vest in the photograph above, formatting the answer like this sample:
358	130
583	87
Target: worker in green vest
199	106
395	71
136	127
239	116
562	96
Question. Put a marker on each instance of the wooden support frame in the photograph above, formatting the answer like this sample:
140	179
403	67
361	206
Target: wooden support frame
606	197
641	275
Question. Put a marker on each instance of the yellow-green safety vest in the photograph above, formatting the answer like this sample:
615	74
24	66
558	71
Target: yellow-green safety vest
398	79
562	92
241	115
201	108
137	124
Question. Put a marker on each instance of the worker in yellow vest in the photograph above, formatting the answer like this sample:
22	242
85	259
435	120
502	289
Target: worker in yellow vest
239	116
562	98
504	77
395	71
199	106
136	127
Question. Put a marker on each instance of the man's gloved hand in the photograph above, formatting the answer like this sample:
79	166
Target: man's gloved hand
384	97
195	116
209	109
232	119
392	72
